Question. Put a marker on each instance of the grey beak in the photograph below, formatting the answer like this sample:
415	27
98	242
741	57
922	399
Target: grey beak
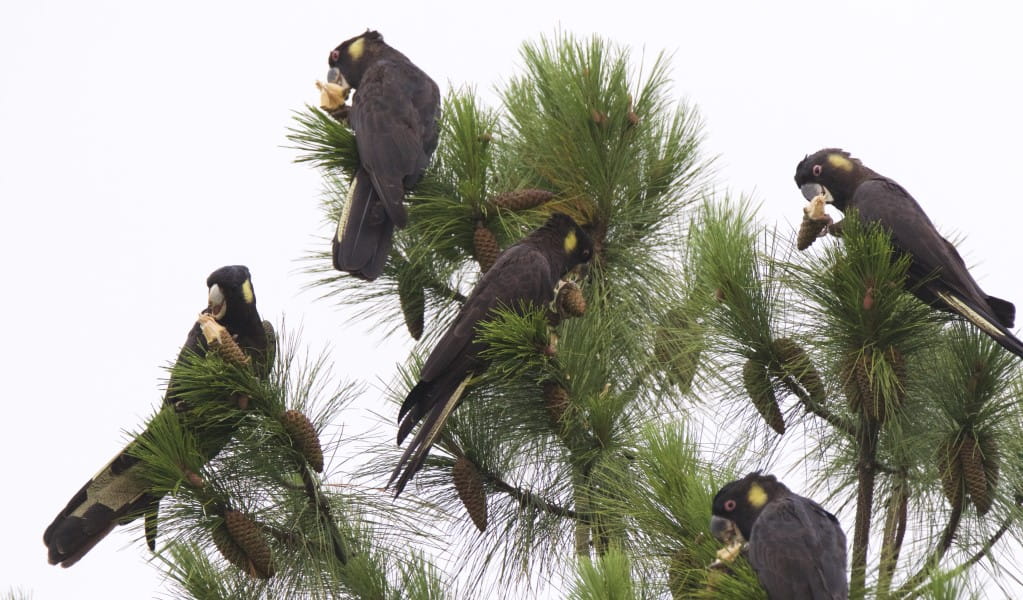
334	76
811	190
722	529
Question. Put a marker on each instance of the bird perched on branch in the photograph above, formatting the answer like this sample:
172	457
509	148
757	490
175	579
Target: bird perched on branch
394	115
937	274
118	494
796	548
524	274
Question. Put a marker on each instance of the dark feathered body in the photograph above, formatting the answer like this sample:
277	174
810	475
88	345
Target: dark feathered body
795	546
394	115
526	272
937	274
117	495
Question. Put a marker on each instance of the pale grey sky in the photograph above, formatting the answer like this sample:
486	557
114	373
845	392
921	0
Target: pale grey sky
142	146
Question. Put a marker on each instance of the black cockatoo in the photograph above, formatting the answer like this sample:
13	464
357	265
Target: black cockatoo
394	115
525	273
117	494
796	548
937	274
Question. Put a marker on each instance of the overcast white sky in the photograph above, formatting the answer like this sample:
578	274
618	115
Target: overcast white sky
141	147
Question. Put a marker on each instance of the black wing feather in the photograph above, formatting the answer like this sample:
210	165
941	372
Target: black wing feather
947	283
521	273
389	134
798	551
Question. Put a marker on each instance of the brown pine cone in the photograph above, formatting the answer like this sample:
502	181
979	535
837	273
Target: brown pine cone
810	230
556	400
304	437
758	385
249	538
219	340
412	299
951	471
796	363
469	486
193	479
898	364
992	459
522	199
860	391
229	549
571	301
485	247
974	474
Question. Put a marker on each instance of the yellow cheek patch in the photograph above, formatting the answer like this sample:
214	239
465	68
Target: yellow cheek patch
757	496
840	162
356	49
570	242
247	292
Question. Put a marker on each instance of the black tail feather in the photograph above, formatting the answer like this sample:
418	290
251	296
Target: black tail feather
1003	310
412	410
113	497
364	235
418	449
984	320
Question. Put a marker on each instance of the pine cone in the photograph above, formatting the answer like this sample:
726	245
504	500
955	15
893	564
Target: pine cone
974	474
249	538
859	390
556	400
485	247
758	386
522	199
810	230
332	95
469	486
413	305
796	363
951	471
675	347
898	364
304	437
992	460
219	340
571	301
193	479
229	549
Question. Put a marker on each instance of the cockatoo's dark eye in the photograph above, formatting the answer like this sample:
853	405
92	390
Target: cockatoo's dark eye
334	56
729	505
816	170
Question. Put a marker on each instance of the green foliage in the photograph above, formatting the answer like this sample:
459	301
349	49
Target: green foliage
515	343
605	578
324	142
730	270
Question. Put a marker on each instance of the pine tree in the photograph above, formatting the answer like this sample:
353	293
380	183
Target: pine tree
698	345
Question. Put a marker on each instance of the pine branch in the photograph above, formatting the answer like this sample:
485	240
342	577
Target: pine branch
864	507
529	498
986	549
837	421
321	505
892	538
947	536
